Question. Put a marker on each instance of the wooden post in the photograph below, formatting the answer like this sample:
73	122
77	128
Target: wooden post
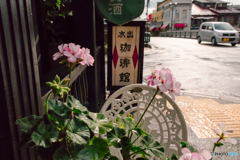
185	35
20	85
86	37
190	34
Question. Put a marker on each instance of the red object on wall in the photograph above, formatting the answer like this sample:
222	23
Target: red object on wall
164	26
180	25
156	29
149	17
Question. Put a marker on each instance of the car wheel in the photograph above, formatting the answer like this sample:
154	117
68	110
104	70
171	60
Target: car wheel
214	41
199	40
233	44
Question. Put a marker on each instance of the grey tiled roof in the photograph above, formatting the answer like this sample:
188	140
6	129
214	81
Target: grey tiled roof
199	11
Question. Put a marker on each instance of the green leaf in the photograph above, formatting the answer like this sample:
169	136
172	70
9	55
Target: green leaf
61	154
174	157
139	132
91	141
139	150
154	146
113	158
96	151
78	131
59	108
219	144
45	136
27	124
79	152
75	105
99	124
184	144
25	140
115	136
187	145
47	153
128	123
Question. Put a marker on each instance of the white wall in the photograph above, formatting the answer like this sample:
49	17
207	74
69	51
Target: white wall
181	5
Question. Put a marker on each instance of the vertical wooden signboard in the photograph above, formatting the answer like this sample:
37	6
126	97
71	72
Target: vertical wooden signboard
125	54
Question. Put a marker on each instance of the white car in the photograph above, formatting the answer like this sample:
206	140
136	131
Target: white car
218	32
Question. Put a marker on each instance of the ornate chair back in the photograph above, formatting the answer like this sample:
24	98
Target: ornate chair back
163	119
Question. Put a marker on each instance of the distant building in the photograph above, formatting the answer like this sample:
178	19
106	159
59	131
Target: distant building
177	15
213	10
200	15
157	16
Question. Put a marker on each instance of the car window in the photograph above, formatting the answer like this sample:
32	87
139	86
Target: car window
204	26
209	25
223	26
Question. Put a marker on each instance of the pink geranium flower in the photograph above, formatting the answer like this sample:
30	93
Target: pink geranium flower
155	74
73	52
202	155
61	49
87	58
162	81
223	135
174	88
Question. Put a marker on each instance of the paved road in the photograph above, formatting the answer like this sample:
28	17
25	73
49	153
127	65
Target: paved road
202	69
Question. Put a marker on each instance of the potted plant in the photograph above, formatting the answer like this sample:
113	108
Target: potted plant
68	131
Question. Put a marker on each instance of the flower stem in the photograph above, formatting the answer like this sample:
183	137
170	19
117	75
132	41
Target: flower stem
67	145
135	140
219	140
69	83
215	146
46	107
147	107
137	152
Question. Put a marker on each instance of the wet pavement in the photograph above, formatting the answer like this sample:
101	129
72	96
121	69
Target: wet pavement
210	78
202	69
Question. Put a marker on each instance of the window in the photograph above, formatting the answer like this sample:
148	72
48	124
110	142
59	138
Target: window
184	14
204	26
209	25
176	15
223	26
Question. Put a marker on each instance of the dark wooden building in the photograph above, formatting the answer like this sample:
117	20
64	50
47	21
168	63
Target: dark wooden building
30	31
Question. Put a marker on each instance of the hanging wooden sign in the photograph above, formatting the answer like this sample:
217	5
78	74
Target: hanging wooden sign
125	54
120	11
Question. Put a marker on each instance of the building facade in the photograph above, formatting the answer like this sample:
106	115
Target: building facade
214	10
157	15
177	15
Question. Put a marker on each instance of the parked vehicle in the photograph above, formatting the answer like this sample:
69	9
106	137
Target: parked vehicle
218	32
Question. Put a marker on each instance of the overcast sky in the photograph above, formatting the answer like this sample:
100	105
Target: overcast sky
153	5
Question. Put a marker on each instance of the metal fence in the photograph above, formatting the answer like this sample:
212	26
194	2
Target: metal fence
184	34
180	34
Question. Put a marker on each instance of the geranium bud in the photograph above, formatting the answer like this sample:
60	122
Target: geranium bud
65	81
57	79
63	61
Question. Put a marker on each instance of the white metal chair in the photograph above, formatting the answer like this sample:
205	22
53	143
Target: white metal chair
163	120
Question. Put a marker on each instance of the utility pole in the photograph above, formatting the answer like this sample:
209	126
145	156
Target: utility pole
147	8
